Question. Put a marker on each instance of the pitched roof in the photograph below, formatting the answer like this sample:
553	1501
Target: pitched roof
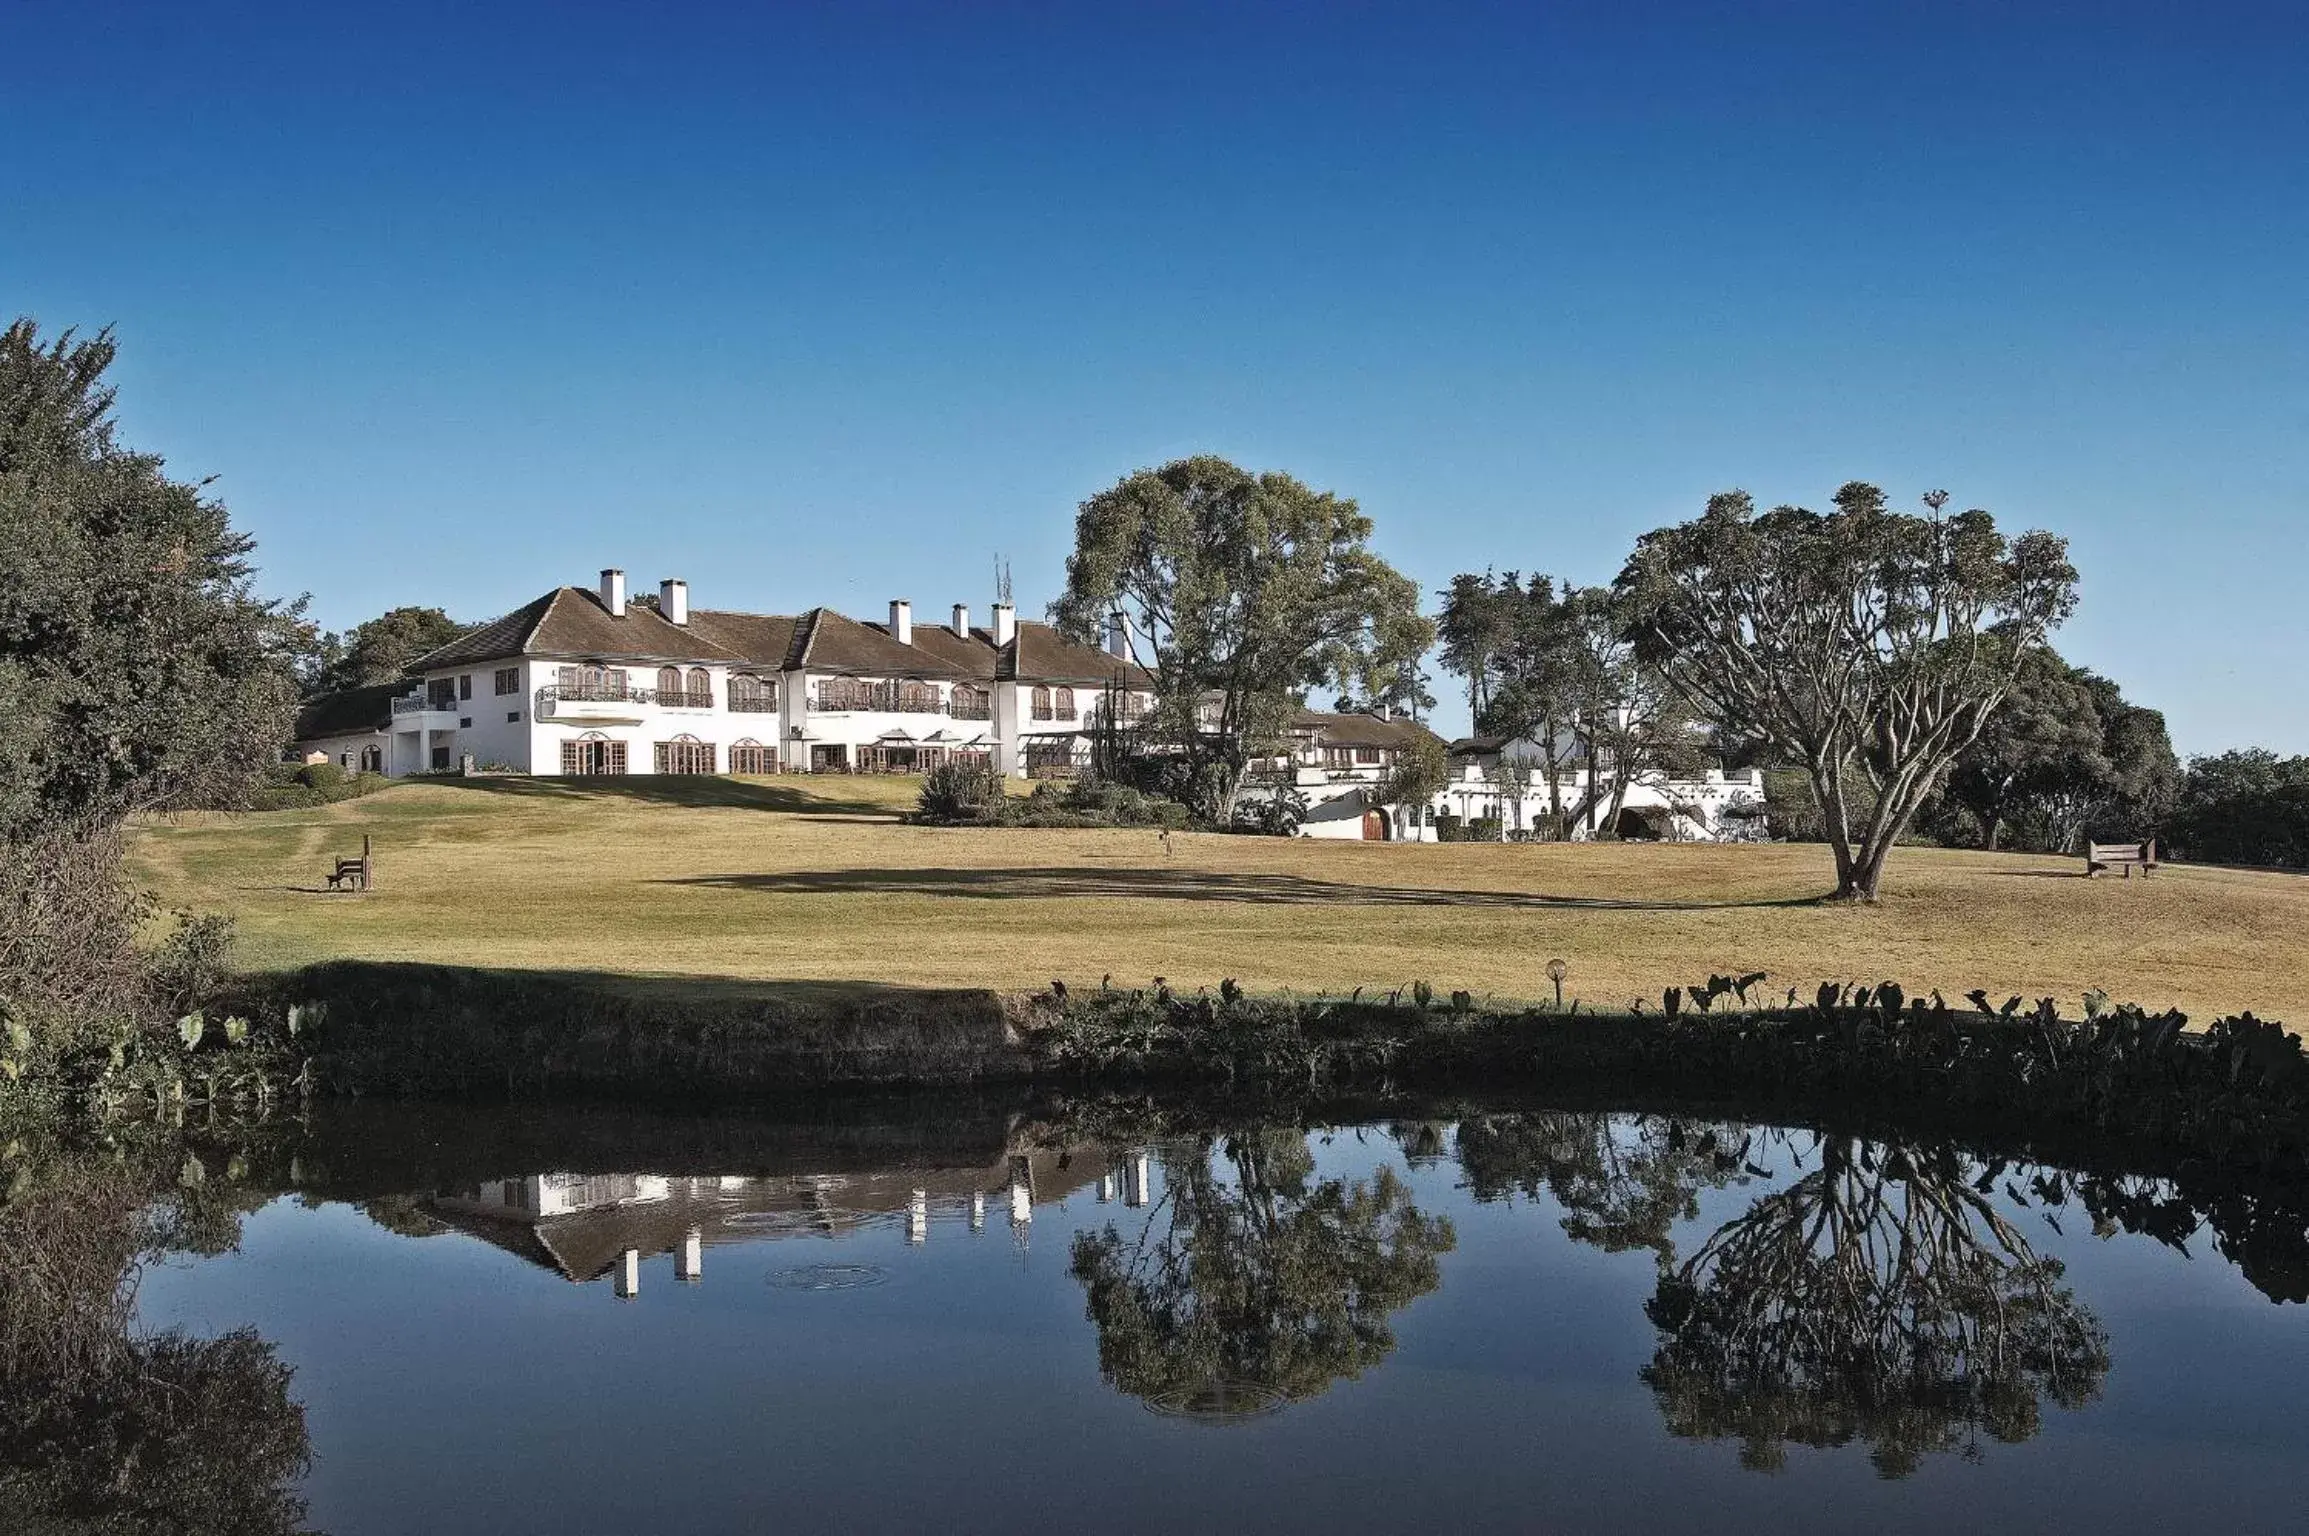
571	621
1041	654
1357	730
349	713
765	639
833	642
977	656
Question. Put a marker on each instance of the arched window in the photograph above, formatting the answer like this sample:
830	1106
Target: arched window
685	754
918	698
750	756
1066	703
669	685
967	703
701	688
1041	703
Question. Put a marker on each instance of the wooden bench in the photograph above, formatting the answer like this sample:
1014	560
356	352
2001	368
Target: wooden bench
353	871
2124	856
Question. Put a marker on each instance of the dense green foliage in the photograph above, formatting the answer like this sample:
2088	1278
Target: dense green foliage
2063	758
137	667
378	650
138	670
2248	807
1242	592
965	795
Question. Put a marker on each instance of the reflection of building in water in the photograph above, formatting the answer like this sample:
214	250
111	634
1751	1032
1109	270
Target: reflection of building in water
585	1226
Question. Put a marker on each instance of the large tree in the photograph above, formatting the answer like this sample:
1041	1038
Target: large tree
1241	592
138	669
1535	680
137	666
2044	736
1631	723
1474	629
1869	646
2065	756
379	650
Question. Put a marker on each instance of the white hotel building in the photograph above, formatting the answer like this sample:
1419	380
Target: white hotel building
586	681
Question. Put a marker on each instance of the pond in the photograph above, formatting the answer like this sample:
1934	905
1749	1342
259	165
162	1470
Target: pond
969	1318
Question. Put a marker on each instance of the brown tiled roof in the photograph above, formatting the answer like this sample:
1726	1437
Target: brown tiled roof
350	712
765	639
571	621
832	642
1357	730
1041	655
975	657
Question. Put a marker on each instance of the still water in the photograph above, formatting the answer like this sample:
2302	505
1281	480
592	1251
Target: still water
1519	1320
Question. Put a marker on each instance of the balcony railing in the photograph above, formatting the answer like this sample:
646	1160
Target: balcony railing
881	698
553	694
969	709
753	704
419	704
604	691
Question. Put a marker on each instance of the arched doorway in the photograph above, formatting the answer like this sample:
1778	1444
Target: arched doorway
1376	828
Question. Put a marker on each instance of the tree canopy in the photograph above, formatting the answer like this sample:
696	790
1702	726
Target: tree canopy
2064	756
1242	591
1869	646
137	666
380	650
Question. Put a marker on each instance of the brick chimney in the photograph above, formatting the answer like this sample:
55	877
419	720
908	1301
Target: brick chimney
1119	634
613	593
673	600
961	621
901	621
1005	623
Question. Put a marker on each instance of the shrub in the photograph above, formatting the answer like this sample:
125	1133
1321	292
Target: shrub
191	960
321	775
955	794
297	796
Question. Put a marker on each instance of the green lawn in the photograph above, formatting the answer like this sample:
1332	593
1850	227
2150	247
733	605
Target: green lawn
814	881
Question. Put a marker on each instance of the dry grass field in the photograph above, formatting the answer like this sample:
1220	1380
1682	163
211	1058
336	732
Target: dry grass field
788	880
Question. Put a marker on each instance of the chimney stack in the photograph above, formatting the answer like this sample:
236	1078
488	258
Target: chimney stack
613	593
1005	623
673	600
1119	633
961	621
901	621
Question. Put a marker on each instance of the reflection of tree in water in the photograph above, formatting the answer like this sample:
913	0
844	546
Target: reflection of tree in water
106	1429
1255	1287
1880	1297
1623	1183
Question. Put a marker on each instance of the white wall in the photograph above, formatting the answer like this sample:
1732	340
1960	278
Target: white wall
507	728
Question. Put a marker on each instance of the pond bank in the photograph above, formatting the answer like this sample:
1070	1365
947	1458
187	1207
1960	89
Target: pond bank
2237	1090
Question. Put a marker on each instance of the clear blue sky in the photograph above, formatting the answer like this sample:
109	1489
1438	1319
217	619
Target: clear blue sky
831	303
